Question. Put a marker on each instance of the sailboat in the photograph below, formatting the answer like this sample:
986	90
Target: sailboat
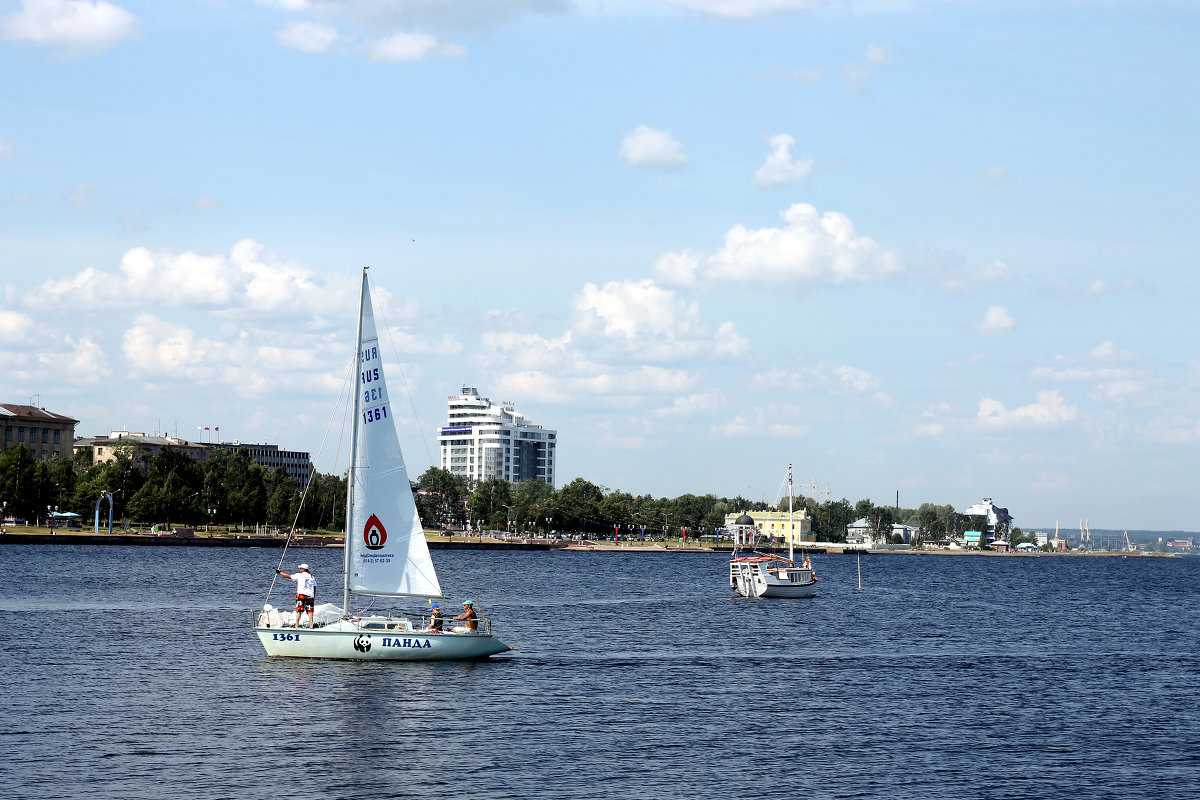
385	551
770	575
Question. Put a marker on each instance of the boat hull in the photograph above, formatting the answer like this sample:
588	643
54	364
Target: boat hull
756	577
364	645
786	590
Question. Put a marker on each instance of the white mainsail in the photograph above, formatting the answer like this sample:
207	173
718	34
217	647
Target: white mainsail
386	553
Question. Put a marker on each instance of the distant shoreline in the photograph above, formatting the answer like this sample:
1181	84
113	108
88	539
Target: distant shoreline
437	541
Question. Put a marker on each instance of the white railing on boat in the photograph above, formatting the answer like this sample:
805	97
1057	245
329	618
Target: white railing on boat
278	619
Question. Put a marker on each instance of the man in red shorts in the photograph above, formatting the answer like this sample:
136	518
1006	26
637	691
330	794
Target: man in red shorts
306	592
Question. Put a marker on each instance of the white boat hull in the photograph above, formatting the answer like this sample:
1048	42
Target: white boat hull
378	645
760	578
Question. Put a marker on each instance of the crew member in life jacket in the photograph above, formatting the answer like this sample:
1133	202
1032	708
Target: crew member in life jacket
436	620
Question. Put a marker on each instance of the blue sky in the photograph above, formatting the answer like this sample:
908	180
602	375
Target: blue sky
940	248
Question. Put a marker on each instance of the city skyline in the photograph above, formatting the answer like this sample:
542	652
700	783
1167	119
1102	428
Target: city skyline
934	248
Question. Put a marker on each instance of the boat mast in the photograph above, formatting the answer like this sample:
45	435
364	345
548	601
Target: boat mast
791	525
362	301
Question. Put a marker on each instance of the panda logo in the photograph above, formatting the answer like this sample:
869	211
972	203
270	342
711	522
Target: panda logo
363	643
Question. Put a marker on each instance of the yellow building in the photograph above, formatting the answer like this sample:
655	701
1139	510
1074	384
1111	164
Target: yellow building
774	525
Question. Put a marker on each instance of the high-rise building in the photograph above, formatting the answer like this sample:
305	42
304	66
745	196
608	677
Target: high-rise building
484	440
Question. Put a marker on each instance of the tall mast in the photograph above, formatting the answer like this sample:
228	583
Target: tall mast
791	525
362	304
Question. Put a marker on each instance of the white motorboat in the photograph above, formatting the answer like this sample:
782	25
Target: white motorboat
385	553
770	575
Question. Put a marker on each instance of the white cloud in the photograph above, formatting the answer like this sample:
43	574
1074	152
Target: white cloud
857	379
651	322
76	26
836	380
595	384
1107	351
963	281
996	173
996	320
1102	286
1176	429
876	56
85	364
82	196
647	148
411	47
1112	371
1049	411
377	17
626	309
307	37
746	9
780	169
245	281
693	404
811	249
16	328
418	344
7	150
526	351
209	203
134	221
806	75
164	351
758	422
394	32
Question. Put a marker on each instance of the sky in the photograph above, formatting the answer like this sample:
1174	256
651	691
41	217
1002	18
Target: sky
937	250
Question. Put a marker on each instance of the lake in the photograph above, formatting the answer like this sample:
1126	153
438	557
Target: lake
131	672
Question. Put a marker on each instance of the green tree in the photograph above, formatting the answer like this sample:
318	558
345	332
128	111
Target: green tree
830	520
282	498
441	501
244	490
579	505
171	491
881	519
16	482
489	503
533	501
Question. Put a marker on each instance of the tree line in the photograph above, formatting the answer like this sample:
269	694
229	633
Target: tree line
230	489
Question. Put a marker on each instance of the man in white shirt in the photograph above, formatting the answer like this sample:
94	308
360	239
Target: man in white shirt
306	592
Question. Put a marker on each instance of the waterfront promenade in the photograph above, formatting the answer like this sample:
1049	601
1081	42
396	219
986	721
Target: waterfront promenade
460	541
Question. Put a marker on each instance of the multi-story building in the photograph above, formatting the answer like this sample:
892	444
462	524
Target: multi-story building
482	440
144	448
141	448
996	515
295	462
46	435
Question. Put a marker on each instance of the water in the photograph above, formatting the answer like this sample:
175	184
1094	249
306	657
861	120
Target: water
131	673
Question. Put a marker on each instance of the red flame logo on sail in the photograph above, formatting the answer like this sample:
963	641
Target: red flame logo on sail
374	534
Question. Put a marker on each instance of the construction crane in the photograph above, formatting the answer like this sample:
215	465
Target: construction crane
815	489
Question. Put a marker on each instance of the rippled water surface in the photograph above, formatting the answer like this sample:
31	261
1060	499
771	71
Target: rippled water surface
131	672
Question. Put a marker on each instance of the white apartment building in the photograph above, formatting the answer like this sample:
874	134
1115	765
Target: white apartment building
484	440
